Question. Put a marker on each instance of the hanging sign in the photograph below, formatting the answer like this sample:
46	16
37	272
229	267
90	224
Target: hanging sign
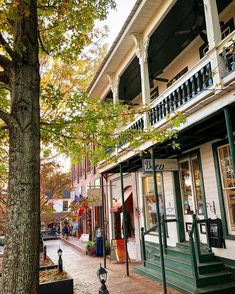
94	196
161	165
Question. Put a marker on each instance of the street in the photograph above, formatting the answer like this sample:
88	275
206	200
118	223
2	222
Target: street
82	269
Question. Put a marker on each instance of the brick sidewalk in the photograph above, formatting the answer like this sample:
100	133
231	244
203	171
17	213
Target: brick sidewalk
117	280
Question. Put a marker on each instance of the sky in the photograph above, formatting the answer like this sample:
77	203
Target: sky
114	21
116	18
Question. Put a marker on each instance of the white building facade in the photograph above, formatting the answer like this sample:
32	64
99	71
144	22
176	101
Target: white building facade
176	56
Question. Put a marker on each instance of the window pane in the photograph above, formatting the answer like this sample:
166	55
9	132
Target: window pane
148	184
65	205
231	206
226	167
228	183
150	200
197	183
150	211
186	187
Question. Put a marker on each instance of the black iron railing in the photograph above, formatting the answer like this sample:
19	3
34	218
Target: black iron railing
197	83
138	126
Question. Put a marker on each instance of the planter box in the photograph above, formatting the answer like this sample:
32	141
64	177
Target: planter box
57	287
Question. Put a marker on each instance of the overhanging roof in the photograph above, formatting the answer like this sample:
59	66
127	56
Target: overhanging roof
211	128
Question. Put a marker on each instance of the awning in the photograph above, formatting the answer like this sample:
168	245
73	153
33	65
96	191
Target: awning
118	205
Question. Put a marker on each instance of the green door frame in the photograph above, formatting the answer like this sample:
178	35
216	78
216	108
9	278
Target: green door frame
220	190
177	191
178	207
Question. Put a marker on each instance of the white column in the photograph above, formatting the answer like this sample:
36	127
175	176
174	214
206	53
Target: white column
212	23
142	54
114	85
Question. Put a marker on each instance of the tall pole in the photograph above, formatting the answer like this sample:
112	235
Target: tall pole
230	136
124	220
159	223
102	218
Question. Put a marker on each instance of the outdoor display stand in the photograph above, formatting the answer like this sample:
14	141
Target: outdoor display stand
118	250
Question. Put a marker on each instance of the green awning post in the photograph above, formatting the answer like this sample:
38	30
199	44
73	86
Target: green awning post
102	219
124	220
230	136
159	223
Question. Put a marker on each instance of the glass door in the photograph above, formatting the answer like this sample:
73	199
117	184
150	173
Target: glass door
228	186
191	191
150	210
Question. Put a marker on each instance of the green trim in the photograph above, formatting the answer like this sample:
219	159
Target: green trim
178	207
219	186
229	237
229	127
202	183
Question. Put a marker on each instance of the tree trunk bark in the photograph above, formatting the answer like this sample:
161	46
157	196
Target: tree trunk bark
21	256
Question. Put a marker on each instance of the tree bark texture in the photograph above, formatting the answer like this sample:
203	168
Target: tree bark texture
21	256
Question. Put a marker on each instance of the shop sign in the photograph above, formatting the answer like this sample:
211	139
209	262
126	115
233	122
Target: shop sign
94	196
161	165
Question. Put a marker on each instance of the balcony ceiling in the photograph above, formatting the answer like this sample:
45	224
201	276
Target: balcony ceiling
181	26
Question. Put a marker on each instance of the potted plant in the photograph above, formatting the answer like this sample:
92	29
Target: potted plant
90	248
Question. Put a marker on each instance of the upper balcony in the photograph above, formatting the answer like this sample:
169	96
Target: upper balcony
181	67
196	88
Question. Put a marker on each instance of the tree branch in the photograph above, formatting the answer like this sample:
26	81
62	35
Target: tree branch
7	118
4	78
41	43
6	46
5	62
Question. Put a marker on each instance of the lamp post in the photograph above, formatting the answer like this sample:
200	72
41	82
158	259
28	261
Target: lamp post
60	261
102	276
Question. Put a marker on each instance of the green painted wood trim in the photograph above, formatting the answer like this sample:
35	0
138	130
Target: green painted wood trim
226	261
159	223
178	207
124	219
230	135
202	183
229	237
219	186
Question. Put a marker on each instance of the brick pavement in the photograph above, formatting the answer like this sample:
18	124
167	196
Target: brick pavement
82	269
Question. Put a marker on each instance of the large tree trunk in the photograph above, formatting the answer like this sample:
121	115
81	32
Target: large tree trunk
21	256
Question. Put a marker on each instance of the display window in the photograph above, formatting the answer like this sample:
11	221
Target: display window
228	185
150	209
191	190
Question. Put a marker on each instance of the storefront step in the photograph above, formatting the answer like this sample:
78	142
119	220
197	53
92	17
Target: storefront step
186	288
173	283
186	244
203	268
174	261
174	272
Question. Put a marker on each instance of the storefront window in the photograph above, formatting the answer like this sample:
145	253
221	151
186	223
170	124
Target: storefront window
228	184
150	209
191	186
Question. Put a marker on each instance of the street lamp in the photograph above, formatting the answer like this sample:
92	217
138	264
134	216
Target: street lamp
60	262
102	276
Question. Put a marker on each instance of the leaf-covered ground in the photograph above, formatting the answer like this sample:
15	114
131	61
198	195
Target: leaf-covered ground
51	275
